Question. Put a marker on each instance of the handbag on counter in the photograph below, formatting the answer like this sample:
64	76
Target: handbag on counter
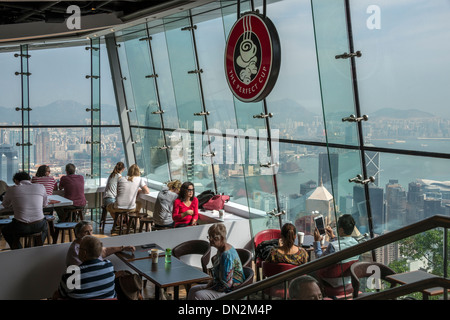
217	202
204	197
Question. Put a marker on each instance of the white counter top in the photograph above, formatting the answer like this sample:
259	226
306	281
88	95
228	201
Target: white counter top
62	203
205	215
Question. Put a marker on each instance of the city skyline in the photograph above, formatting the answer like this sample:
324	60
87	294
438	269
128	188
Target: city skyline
406	108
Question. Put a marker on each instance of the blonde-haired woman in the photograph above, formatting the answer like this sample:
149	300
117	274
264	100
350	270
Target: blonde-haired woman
128	189
162	213
227	271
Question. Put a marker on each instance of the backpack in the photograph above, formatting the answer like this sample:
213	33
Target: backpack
204	197
128	285
262	250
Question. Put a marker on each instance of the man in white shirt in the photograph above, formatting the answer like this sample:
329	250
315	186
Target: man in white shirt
27	200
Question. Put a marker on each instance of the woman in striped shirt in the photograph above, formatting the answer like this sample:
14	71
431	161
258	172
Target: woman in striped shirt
43	177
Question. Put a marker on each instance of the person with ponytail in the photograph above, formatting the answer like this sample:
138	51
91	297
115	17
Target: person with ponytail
128	190
162	214
287	251
111	183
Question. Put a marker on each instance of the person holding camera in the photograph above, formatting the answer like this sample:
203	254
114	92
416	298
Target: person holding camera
345	227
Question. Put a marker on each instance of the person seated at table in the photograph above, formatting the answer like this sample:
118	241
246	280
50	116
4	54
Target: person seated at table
128	190
287	251
227	270
73	186
185	207
84	228
100	286
111	183
27	200
43	177
162	213
305	288
345	226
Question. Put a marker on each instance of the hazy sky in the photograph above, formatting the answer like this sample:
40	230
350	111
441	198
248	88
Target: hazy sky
405	63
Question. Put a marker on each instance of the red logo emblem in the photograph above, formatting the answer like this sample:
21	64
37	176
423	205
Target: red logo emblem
252	57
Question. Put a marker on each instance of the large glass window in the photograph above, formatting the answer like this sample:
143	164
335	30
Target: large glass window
10	99
403	93
59	95
295	100
10	92
59	87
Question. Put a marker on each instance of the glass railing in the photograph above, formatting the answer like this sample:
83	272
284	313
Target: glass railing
424	239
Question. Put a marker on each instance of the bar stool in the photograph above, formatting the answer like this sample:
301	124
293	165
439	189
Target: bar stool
30	240
4	222
147	222
133	218
51	226
74	215
62	227
103	219
118	220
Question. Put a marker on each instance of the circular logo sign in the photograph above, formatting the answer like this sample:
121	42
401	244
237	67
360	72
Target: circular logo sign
252	57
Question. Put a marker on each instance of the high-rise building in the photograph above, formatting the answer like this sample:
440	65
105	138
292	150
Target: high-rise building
373	165
9	162
415	201
329	171
376	195
321	202
346	204
42	148
395	205
431	207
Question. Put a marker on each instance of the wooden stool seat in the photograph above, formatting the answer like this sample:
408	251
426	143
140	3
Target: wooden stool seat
5	221
62	227
118	220
133	218
33	239
147	222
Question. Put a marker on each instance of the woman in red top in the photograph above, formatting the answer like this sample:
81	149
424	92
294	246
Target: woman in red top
185	207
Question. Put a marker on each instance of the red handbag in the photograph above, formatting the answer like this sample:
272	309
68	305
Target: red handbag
216	203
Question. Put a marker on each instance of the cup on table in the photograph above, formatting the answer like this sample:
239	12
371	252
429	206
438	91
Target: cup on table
154	255
301	237
221	213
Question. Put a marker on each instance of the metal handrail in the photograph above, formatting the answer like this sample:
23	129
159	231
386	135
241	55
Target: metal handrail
435	221
405	289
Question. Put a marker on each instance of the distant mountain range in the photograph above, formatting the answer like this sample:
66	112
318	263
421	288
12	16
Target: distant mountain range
60	112
69	112
390	113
